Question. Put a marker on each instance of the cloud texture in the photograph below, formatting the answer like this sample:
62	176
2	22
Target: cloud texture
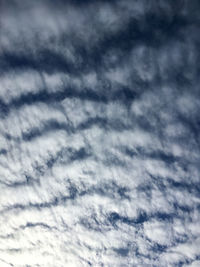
99	133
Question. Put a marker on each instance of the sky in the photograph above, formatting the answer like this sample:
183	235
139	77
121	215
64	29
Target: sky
99	133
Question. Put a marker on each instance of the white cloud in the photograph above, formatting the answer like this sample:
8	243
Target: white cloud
99	148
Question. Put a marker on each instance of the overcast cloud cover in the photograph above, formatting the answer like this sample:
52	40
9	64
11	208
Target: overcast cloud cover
99	133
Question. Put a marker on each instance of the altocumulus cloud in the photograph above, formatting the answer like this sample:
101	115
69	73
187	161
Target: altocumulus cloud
99	133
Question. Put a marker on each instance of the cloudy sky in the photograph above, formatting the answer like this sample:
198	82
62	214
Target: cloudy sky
99	133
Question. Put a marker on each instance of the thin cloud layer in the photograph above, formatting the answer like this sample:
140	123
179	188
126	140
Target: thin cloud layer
99	133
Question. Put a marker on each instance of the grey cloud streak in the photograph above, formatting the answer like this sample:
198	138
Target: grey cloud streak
99	133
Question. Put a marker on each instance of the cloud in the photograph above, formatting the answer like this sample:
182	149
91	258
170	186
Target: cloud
99	133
